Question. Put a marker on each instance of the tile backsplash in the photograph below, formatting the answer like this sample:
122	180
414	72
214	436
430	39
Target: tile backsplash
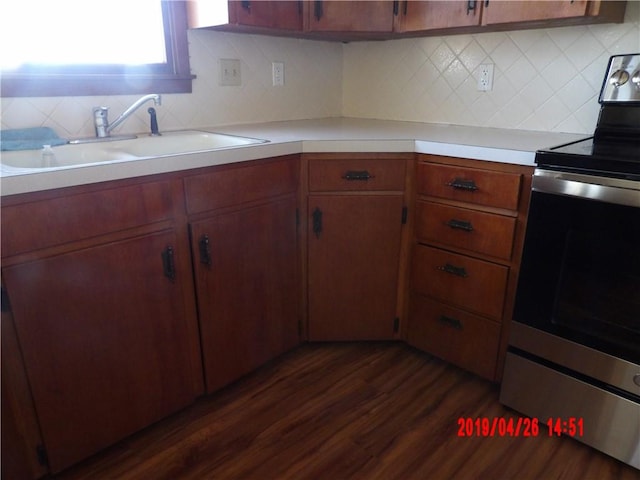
545	80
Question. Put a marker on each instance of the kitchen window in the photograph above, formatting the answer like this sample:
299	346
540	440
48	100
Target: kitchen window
75	47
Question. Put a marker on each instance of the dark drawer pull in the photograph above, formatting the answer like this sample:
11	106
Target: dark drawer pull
204	245
452	322
460	184
460	225
317	222
471	6
168	263
453	270
357	175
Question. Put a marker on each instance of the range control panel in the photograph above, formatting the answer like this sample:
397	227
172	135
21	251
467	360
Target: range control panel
622	82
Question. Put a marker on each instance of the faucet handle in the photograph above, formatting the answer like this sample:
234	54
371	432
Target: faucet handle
101	121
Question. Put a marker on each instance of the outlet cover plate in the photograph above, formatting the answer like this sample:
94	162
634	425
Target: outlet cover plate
485	77
230	74
277	69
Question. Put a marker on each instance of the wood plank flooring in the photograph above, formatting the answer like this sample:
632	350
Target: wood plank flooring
342	411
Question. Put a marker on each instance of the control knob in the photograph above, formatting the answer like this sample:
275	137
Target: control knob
618	78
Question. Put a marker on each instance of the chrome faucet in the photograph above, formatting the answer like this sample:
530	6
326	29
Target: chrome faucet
101	120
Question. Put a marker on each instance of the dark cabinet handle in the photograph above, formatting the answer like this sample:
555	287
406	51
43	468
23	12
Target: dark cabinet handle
168	263
406	8
460	225
246	4
395	7
357	175
471	6
453	270
317	9
486	3
460	184
317	222
452	322
204	247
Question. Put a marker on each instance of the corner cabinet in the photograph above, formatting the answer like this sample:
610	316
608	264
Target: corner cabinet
352	16
244	239
355	232
417	16
469	229
98	288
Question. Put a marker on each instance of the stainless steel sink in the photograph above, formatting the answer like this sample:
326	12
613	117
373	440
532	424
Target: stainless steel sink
87	153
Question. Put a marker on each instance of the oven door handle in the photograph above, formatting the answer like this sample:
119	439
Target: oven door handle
603	189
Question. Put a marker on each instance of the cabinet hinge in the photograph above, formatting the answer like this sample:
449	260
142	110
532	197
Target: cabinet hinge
5	305
396	325
405	212
41	454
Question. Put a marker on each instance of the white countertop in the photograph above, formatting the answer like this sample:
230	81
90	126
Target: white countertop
304	136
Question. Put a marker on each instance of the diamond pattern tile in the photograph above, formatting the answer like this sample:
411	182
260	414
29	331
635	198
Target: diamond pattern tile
546	79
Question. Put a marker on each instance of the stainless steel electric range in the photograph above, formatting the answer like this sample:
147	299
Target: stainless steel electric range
573	360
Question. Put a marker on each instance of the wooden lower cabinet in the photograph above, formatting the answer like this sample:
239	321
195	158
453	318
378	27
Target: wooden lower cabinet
465	339
106	340
474	284
103	329
469	230
247	286
353	259
355	236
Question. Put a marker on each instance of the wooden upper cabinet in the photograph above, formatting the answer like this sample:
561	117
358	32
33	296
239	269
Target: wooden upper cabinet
277	15
286	15
414	16
502	11
382	19
353	16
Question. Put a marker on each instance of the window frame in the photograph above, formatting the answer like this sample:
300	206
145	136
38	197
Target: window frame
78	80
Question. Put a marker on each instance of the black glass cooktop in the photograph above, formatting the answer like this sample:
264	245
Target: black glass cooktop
616	159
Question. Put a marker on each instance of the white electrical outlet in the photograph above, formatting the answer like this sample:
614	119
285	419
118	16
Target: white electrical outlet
485	77
277	70
230	74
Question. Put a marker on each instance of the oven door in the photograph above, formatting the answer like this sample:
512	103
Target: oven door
580	271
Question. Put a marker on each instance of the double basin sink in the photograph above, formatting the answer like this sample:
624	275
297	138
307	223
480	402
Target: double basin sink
113	150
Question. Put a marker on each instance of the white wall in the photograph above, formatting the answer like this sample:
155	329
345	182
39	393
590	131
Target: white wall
544	80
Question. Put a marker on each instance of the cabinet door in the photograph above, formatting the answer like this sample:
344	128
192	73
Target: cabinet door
503	11
246	279
106	341
286	15
415	16
353	258
350	16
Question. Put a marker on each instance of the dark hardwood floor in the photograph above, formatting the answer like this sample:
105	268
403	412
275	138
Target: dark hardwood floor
338	411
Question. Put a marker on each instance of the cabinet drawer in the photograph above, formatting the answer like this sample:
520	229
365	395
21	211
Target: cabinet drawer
356	175
482	187
469	229
459	337
47	223
472	284
241	183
